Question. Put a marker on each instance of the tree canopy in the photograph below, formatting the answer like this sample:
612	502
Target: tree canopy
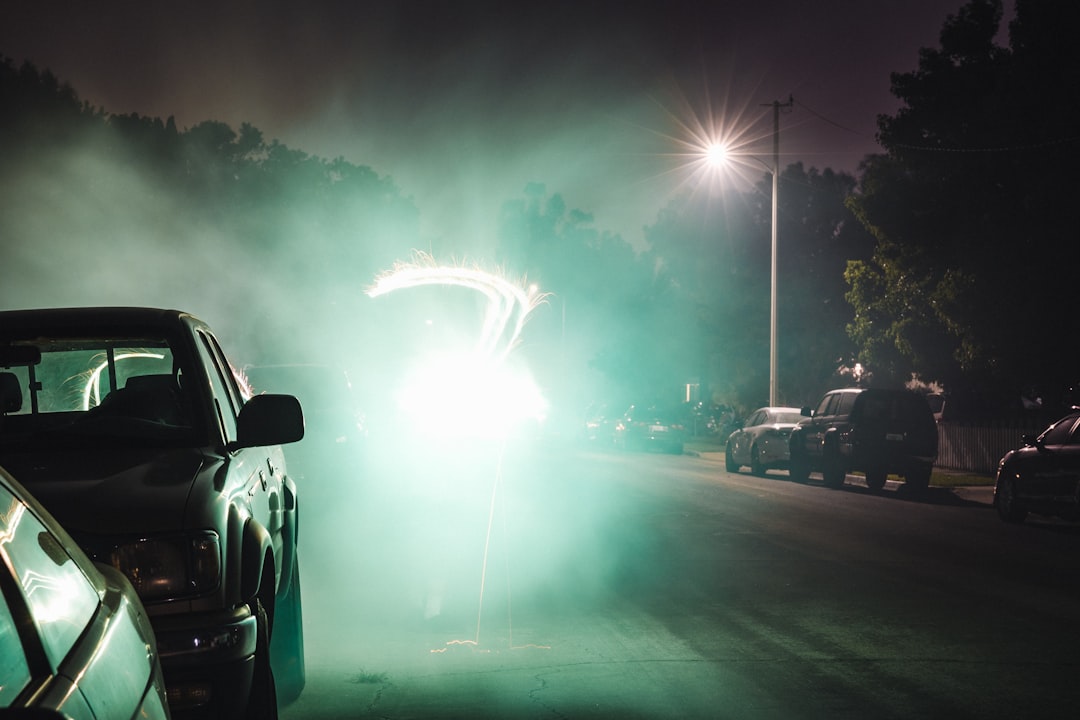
693	307
969	208
126	209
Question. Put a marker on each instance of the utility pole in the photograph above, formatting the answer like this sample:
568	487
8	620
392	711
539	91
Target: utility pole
776	106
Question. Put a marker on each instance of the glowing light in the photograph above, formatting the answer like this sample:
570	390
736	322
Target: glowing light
480	392
477	393
93	380
509	304
710	139
716	154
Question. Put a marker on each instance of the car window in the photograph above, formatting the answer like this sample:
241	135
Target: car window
61	599
756	419
845	403
225	397
823	406
90	390
1074	436
14	671
77	375
1059	433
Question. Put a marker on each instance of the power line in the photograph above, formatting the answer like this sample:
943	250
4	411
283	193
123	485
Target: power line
938	148
821	117
1001	149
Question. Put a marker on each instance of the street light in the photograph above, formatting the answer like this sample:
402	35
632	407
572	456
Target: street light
717	154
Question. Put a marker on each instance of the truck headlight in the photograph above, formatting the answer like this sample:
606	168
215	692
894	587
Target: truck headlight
170	566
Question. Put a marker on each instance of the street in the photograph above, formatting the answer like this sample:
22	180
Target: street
582	584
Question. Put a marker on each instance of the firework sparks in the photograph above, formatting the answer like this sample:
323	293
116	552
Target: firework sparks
478	392
509	303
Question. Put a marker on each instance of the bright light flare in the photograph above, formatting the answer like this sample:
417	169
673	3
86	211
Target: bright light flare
710	143
477	393
466	395
716	154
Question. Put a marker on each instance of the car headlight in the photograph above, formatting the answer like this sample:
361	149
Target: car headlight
170	566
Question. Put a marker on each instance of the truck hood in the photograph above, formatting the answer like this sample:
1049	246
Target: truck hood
113	492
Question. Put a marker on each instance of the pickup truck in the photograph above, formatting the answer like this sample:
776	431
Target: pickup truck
135	431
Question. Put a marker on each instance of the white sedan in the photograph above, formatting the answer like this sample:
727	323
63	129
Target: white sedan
75	640
762	441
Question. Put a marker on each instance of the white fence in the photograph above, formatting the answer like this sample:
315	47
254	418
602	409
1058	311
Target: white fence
977	449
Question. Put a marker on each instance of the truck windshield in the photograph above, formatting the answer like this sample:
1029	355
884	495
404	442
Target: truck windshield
129	388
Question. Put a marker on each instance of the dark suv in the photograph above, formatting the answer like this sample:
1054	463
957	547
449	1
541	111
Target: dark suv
873	430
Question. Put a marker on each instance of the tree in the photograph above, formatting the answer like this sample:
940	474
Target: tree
718	254
969	208
131	210
818	235
596	336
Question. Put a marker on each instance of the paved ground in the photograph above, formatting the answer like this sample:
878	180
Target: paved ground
651	586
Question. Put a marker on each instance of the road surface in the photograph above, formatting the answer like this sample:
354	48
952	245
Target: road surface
581	584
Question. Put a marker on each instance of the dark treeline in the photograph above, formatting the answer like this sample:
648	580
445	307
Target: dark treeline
948	259
974	266
106	208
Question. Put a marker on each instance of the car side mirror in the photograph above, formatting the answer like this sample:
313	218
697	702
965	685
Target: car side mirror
806	412
269	420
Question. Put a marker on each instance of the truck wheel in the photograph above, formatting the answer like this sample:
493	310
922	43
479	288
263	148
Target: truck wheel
918	481
287	641
875	479
756	468
729	460
262	701
1008	507
832	469
798	469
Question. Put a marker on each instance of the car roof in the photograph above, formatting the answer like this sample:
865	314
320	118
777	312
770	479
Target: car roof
84	320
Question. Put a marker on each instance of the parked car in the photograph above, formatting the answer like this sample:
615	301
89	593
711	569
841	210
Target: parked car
74	637
131	427
874	430
598	425
1042	476
650	427
762	441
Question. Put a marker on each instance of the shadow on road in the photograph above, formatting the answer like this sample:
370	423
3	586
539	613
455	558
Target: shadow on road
975	496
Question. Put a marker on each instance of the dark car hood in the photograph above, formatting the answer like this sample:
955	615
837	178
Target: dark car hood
111	492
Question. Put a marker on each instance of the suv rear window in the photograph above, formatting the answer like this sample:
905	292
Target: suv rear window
893	407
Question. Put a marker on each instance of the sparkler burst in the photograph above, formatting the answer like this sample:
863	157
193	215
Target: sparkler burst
509	303
479	392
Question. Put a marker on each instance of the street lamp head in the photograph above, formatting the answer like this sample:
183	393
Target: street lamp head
716	154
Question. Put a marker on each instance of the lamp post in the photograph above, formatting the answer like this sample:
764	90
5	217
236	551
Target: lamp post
717	154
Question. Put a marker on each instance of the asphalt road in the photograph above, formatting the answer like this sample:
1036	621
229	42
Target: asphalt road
552	584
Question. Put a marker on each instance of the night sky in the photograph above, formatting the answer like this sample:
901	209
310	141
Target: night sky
464	103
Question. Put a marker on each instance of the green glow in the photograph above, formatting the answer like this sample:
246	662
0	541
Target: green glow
476	392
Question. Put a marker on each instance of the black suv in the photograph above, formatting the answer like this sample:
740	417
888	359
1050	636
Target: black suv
873	430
